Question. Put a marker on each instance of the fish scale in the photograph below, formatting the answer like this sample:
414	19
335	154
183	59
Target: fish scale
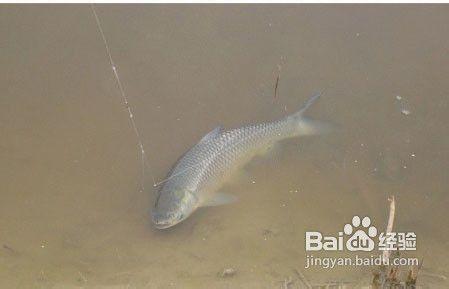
197	176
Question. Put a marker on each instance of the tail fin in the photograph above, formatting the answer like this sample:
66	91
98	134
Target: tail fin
308	126
309	103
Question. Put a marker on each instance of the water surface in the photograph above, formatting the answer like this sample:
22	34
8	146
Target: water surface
71	212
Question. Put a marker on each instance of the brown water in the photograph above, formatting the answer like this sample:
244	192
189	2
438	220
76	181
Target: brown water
71	213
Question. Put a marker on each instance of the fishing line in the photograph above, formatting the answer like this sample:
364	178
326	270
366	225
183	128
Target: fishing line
126	103
144	162
130	111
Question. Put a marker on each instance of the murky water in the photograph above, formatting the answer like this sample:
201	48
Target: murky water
71	212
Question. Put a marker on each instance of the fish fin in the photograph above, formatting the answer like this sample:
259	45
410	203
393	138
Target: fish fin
309	126
219	199
308	103
269	150
212	134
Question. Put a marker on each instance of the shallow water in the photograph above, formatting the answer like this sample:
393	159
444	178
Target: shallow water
71	212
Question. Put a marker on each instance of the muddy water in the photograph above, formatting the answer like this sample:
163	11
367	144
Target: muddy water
71	212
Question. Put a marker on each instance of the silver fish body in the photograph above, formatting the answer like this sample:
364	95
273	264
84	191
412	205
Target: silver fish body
198	175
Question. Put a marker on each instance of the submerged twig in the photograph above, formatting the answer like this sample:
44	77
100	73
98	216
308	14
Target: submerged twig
9	249
386	254
82	277
388	276
287	282
276	86
278	77
412	276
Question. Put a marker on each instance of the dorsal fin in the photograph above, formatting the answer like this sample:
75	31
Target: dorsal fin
212	134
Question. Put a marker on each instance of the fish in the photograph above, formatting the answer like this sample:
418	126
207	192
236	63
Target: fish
198	175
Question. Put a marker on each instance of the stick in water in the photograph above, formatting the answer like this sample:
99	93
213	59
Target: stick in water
276	85
386	253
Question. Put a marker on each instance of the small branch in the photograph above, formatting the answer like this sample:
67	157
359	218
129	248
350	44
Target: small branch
276	85
9	249
278	77
386	253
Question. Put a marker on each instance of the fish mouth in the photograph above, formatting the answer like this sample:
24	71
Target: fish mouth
163	225
162	222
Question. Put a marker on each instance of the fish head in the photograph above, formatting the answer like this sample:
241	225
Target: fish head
172	207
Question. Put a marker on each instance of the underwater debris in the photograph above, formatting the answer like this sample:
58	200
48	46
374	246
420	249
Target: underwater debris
278	77
388	276
406	111
403	106
228	272
9	249
287	282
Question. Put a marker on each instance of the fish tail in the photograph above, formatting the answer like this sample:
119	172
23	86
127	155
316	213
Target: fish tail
308	103
308	126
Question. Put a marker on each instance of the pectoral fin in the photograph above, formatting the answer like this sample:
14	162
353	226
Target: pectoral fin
219	199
